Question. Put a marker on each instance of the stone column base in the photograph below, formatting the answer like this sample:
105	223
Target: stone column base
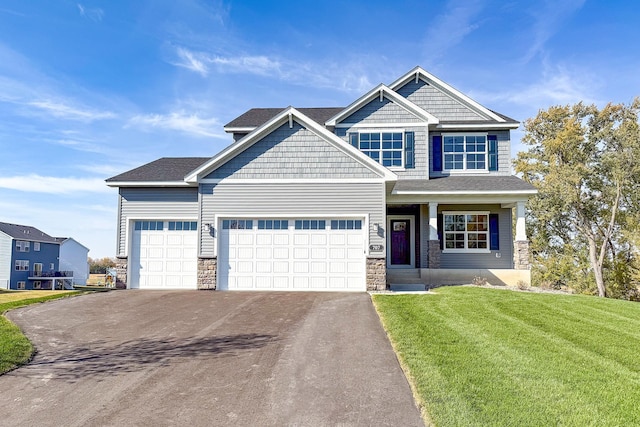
376	274
121	272
521	255
433	257
207	268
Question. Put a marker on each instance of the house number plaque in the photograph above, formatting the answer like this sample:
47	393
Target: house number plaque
376	248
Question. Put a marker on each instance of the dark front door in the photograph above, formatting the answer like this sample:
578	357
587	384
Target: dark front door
400	242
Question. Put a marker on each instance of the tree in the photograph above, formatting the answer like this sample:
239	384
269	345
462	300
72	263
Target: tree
585	163
99	266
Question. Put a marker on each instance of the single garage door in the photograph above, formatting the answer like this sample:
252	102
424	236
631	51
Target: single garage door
292	254
164	255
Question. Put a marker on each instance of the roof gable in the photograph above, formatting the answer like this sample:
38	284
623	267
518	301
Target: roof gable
418	74
288	117
382	93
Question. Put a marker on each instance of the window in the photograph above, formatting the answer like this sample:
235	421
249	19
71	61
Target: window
37	284
22	285
391	149
311	224
466	231
22	246
37	268
22	265
237	224
465	152
52	266
275	224
148	225
36	246
346	224
183	225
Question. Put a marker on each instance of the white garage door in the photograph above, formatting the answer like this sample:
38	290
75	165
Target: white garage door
292	254
164	255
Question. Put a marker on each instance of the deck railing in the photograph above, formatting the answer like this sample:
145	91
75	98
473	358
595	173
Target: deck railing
50	273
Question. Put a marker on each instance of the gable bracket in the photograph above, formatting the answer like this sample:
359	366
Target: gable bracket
381	95
290	121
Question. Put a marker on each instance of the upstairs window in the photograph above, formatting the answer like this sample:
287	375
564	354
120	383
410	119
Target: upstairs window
22	265
22	245
390	149
464	152
36	246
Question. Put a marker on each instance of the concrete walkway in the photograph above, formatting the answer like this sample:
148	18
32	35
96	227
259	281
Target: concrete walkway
202	358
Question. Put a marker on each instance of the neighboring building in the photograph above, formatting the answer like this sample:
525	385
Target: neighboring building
74	257
410	180
28	258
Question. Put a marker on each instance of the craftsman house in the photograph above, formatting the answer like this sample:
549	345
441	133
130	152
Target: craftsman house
412	180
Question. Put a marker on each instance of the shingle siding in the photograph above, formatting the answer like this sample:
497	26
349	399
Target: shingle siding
384	111
292	153
436	102
323	200
154	203
482	260
504	152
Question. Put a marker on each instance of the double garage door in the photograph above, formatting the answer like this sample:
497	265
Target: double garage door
291	254
324	254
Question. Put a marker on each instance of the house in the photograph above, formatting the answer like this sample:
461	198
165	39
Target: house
412	180
74	257
28	258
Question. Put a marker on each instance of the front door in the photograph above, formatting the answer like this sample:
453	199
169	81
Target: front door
400	242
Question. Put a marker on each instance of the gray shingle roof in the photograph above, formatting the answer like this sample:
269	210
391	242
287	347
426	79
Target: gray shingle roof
463	184
26	232
258	116
163	169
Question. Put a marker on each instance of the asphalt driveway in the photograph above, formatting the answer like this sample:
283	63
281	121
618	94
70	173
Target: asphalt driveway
207	358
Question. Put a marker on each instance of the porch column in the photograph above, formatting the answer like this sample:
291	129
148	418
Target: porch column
521	244
434	243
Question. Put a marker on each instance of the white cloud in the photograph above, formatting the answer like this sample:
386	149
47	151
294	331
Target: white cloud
34	183
548	16
452	27
180	121
95	14
61	110
260	65
190	62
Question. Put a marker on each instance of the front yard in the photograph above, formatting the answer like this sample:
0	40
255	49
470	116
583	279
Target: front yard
485	357
15	348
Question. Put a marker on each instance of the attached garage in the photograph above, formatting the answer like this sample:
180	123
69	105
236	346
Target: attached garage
163	255
319	254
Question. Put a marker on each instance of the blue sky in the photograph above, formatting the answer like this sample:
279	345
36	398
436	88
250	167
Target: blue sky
91	89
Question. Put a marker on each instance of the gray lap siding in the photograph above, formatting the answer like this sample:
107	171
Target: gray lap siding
481	260
154	203
288	200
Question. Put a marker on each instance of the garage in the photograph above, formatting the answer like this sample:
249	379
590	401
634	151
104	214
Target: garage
164	255
298	254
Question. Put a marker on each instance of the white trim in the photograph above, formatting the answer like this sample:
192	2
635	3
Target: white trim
382	125
381	90
291	181
239	129
412	241
521	228
241	145
149	184
478	126
450	192
448	89
466	233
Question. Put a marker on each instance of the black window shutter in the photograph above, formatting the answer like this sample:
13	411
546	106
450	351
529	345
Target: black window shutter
440	229
353	139
494	232
437	152
409	150
493	152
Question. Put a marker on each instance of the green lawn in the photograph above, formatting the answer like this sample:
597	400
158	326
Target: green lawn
15	348
486	357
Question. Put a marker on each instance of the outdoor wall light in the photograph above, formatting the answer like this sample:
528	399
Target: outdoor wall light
207	227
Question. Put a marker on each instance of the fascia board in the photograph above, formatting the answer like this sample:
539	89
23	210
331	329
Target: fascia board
463	193
372	94
114	184
479	126
446	87
239	129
